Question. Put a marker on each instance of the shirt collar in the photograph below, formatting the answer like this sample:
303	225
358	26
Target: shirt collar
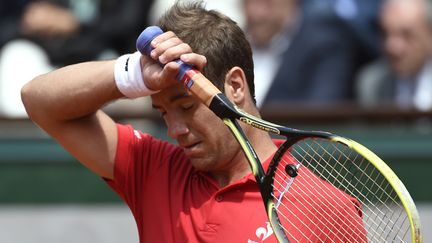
249	178
265	163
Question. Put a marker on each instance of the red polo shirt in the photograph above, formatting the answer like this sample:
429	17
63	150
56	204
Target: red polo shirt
172	202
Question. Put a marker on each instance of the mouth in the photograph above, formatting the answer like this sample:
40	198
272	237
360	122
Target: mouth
191	149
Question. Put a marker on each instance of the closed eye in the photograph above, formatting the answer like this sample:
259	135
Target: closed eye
187	106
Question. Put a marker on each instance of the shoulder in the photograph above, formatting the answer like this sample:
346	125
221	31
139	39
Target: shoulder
142	157
145	152
374	82
374	74
136	140
321	36
323	25
378	68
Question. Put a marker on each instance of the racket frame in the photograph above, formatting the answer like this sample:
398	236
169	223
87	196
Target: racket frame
229	113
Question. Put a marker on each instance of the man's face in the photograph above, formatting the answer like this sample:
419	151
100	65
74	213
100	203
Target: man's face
407	36
265	18
203	136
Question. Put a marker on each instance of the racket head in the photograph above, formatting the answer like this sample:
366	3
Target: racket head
321	187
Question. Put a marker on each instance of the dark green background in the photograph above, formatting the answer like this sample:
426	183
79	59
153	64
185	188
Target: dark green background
35	169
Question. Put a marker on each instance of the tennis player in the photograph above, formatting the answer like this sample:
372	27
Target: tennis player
200	190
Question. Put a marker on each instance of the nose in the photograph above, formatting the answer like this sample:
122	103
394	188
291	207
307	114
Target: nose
394	45
256	10
176	126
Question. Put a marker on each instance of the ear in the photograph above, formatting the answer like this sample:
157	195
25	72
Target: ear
236	87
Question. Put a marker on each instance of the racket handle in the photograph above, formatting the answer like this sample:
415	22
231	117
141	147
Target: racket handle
188	75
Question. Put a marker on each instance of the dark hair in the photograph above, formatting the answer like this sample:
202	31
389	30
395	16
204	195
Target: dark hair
213	35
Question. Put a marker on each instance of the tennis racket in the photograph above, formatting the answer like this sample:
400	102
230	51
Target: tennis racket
318	187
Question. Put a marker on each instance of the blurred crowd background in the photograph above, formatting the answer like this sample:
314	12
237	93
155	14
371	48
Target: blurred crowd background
312	52
361	68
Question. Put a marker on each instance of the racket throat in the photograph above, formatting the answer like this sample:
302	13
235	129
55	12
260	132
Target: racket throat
223	107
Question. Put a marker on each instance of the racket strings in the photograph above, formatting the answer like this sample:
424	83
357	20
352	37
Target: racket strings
391	221
299	218
330	203
283	214
383	216
318	215
334	205
380	196
316	228
297	227
336	179
347	158
330	173
389	197
369	191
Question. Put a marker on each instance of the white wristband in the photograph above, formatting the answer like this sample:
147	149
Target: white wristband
128	76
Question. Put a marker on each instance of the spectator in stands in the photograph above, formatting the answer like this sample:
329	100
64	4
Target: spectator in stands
10	17
299	57
361	19
50	33
403	77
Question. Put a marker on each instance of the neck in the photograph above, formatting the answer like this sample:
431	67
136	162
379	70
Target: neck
260	140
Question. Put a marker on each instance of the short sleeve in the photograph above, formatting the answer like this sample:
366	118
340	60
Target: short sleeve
138	157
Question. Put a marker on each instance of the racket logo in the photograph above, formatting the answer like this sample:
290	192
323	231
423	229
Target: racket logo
259	125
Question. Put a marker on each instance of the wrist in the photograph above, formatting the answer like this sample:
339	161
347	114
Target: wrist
128	76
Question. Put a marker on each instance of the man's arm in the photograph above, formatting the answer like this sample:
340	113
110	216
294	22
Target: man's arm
65	104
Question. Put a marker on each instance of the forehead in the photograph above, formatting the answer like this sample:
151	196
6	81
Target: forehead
268	2
403	13
266	5
169	95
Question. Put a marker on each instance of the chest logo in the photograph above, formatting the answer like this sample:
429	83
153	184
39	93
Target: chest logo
262	233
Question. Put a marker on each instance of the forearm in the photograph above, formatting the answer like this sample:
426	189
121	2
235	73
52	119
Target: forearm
71	92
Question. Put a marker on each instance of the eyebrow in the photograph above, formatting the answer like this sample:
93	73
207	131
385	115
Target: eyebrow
174	98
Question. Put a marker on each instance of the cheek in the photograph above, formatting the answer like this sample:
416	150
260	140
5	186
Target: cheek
221	135
229	147
396	45
416	54
222	142
219	140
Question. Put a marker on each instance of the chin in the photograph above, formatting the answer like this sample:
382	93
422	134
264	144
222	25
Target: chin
201	164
